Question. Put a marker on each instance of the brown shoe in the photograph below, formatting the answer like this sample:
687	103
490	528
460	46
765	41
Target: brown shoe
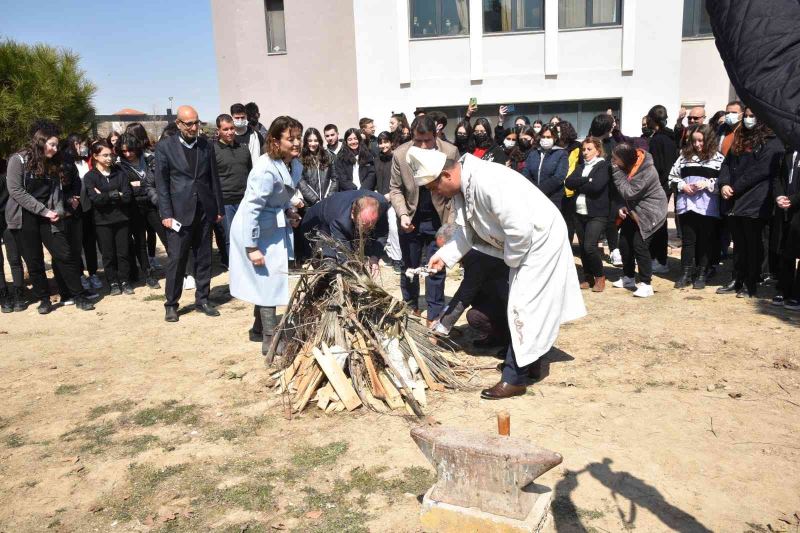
503	390
585	285
599	284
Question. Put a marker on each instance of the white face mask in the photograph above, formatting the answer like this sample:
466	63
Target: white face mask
731	119
239	124
546	144
508	143
749	122
537	129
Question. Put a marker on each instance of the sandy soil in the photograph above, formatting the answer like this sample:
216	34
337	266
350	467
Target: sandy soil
680	412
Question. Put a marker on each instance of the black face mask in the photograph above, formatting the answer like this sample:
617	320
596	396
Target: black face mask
461	139
480	138
525	144
647	132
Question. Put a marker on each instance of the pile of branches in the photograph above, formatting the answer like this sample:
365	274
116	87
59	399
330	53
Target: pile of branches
344	342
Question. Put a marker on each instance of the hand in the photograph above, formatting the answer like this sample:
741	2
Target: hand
52	216
727	192
255	256
471	109
136	184
297	203
682	114
783	202
623	213
74	202
405	224
689	189
387	196
219	218
502	112
436	263
294	217
374	267
166	222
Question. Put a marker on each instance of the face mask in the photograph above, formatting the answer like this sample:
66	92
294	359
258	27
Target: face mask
731	119
461	139
749	122
508	143
647	132
525	144
546	144
239	124
84	152
480	138
537	129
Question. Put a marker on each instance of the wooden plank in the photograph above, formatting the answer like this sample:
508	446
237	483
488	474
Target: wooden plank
341	383
317	376
419	395
377	387
393	397
332	407
423	367
324	396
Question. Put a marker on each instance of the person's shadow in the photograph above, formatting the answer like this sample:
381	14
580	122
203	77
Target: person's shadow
567	516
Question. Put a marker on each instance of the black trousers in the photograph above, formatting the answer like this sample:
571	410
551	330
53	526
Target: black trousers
138	237
748	250
487	321
37	232
194	239
13	246
220	237
412	246
715	242
659	245
113	241
89	240
788	277
612	233
635	251
589	230
696	239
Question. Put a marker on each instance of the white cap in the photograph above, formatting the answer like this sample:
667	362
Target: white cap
426	165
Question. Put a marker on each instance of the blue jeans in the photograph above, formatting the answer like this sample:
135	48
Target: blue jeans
230	211
412	246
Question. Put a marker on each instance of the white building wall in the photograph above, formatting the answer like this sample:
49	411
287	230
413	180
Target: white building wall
589	64
703	75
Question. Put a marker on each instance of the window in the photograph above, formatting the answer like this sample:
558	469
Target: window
436	18
695	19
276	30
512	15
588	13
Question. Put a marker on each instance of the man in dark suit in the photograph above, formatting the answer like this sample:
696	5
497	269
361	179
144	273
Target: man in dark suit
347	216
188	193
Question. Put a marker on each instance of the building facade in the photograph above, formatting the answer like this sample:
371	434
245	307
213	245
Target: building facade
333	61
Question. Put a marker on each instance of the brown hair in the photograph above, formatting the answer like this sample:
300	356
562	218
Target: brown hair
710	142
748	140
36	162
627	154
597	143
275	132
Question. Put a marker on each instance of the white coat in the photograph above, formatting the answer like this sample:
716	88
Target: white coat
502	214
261	222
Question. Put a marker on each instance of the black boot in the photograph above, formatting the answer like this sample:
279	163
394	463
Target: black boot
20	304
6	304
268	323
45	306
700	280
685	280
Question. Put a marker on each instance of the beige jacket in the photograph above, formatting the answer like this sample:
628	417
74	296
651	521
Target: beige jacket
403	191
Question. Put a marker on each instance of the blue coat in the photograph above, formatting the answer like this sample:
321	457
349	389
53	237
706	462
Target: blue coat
550	179
261	222
333	216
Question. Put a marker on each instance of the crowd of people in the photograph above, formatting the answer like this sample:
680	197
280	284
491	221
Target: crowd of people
729	177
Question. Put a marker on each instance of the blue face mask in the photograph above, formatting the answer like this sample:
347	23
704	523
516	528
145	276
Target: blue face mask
731	119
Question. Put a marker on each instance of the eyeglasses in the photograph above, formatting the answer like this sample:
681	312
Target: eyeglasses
190	124
695	119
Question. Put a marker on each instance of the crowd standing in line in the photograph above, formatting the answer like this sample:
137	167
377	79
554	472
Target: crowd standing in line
252	186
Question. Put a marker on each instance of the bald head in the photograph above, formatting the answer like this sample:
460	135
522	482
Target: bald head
187	113
366	211
697	115
188	122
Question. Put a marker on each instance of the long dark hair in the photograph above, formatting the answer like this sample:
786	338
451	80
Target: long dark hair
602	125
470	146
745	140
36	162
132	142
482	121
518	154
310	159
567	135
710	142
347	155
96	148
137	129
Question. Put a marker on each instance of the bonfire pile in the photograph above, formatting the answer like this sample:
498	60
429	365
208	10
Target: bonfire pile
344	342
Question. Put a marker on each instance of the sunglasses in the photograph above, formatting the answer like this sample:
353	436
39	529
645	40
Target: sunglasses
695	119
190	124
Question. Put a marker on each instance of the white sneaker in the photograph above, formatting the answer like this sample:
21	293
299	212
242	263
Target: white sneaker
644	290
188	283
658	268
624	283
616	257
95	282
154	264
85	283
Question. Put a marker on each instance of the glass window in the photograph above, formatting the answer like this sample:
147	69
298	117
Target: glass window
512	15
696	22
435	18
588	13
276	29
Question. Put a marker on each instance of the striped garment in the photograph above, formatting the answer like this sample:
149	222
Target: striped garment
693	171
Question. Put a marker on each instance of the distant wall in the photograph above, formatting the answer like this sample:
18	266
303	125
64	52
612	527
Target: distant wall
154	124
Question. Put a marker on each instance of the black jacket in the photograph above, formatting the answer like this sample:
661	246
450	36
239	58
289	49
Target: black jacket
664	152
180	187
495	154
72	187
333	216
789	219
383	173
594	186
140	194
750	174
343	169
112	203
762	67
317	184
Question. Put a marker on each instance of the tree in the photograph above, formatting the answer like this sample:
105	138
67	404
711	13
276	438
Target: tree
40	81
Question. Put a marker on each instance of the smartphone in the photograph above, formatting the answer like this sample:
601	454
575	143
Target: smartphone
473	101
176	226
510	108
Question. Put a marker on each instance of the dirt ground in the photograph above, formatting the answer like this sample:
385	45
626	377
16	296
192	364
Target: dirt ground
675	413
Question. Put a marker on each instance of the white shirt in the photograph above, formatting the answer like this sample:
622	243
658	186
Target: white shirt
580	202
356	179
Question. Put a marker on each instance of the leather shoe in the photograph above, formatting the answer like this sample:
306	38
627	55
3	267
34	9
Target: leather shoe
731	288
171	314
503	390
207	309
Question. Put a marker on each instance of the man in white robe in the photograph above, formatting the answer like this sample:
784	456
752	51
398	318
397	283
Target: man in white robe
502	214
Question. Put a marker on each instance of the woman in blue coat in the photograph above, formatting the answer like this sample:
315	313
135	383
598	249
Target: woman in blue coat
547	166
261	230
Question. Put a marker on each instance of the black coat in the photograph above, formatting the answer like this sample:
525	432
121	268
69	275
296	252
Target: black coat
751	175
140	193
485	287
111	204
343	169
496	154
180	187
317	184
664	151
383	173
762	67
594	186
789	219
333	216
